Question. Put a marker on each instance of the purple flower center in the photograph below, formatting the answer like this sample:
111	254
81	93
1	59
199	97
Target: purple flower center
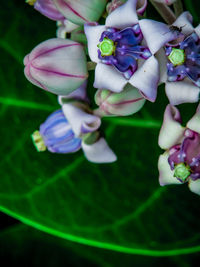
122	49
184	158
187	54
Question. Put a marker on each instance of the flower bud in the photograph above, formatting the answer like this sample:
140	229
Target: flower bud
125	103
56	135
57	65
48	9
81	12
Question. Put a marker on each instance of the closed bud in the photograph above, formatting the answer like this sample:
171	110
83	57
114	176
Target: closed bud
57	65
82	11
128	102
56	135
48	9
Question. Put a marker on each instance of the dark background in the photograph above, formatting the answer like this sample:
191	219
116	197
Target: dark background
168	222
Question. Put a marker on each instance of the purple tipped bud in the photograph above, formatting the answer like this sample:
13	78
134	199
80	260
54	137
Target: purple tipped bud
57	65
128	102
56	135
81	12
48	9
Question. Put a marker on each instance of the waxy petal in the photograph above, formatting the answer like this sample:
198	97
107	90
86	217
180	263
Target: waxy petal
194	186
80	121
156	34
81	12
48	9
99	152
146	78
171	131
107	77
184	21
197	30
123	16
182	92
57	65
194	123
93	34
165	173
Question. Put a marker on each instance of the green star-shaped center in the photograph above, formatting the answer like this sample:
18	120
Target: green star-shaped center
182	171
107	47
177	56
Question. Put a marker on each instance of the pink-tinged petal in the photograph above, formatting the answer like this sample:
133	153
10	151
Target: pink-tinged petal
81	12
57	65
184	21
167	2
99	152
197	30
166	175
80	121
171	131
107	77
48	9
78	94
93	34
162	60
182	92
194	186
146	78
141	6
123	16
194	122
156	34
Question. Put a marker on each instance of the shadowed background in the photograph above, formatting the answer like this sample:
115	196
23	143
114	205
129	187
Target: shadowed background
118	209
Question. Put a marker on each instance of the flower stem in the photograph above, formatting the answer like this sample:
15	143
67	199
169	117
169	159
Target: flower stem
166	13
91	65
178	7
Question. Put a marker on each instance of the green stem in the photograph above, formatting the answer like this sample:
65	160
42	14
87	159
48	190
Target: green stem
178	7
166	13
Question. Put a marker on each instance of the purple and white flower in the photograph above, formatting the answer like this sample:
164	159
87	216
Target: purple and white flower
180	62
180	163
124	50
57	65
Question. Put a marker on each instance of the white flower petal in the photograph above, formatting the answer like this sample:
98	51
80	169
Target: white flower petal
165	173
141	6
99	152
194	122
182	92
194	186
162	59
171	131
197	30
107	77
80	121
93	34
156	34
123	16
146	78
184	21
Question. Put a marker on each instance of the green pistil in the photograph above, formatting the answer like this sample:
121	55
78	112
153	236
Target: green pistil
38	141
182	171
107	47
177	56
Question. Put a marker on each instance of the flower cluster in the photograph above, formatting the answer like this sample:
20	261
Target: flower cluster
131	56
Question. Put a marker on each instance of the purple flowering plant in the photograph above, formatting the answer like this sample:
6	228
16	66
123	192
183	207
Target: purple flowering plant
130	56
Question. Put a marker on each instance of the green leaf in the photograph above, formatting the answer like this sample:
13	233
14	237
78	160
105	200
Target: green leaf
118	206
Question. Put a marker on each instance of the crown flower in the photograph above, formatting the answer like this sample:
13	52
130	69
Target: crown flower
124	50
57	65
181	161
180	63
